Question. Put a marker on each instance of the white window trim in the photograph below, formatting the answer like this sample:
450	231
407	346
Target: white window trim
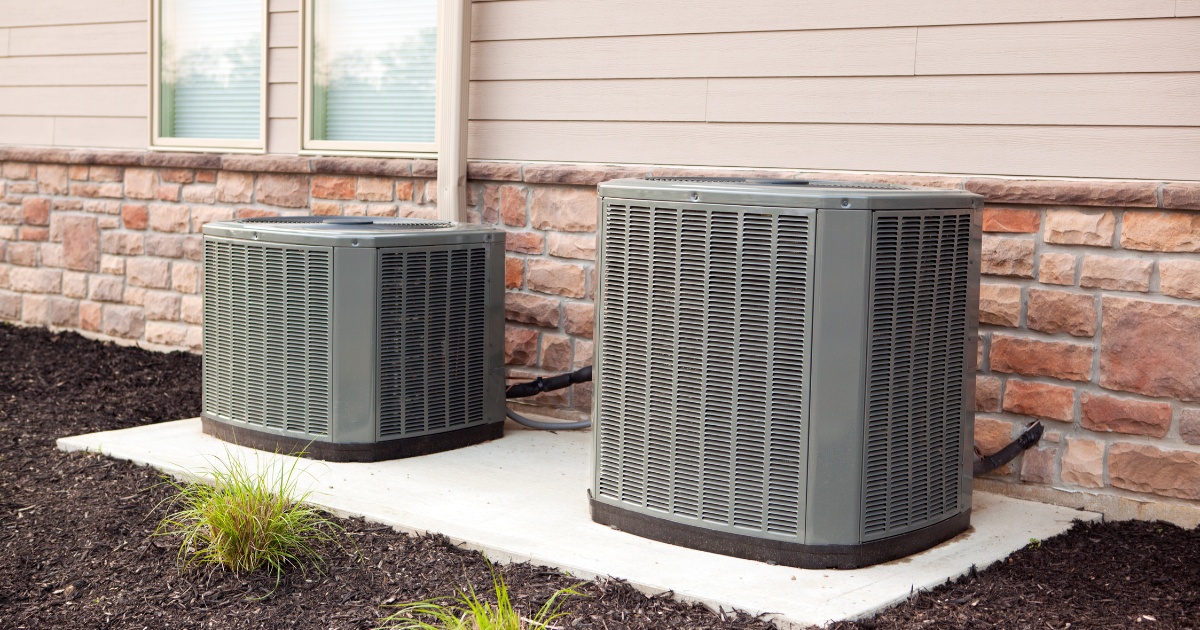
161	143
309	146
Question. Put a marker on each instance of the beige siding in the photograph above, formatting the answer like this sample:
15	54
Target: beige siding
283	76
74	73
1072	88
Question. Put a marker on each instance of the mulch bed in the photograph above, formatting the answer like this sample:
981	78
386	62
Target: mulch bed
76	549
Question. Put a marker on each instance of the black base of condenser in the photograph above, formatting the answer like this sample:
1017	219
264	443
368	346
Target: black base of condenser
355	452
777	551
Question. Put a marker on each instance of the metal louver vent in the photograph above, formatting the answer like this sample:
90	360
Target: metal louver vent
918	329
705	318
265	365
431	340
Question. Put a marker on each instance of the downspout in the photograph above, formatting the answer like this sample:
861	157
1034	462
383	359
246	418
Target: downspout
454	73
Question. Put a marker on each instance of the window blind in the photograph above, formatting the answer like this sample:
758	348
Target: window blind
211	65
374	70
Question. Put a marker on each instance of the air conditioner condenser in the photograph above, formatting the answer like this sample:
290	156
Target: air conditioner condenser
353	338
784	369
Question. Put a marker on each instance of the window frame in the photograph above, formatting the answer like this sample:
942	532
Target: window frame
209	145
418	150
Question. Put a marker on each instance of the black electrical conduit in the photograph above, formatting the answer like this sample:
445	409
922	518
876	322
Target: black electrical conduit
983	464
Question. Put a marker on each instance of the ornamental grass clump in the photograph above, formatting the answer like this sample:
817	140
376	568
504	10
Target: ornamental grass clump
470	612
247	520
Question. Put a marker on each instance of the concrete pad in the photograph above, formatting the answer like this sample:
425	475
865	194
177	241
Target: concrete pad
523	498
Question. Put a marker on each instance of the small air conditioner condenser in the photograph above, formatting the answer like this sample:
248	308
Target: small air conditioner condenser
353	338
784	369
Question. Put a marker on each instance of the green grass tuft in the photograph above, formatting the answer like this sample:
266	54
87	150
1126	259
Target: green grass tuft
469	612
248	520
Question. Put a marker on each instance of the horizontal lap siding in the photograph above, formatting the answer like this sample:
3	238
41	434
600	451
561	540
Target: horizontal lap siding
74	73
1073	89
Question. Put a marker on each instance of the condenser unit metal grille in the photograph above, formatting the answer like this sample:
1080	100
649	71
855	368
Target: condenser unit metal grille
705	329
432	341
918	329
266	365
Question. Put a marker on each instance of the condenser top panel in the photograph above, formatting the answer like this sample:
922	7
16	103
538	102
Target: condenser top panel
789	193
354	231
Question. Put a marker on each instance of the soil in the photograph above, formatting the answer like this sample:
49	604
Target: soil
76	549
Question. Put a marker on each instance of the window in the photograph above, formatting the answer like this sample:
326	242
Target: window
209	77
370	76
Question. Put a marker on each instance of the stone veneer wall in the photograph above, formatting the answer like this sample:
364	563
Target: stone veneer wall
1090	304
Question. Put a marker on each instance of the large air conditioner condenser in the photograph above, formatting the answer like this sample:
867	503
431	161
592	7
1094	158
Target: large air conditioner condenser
353	338
784	369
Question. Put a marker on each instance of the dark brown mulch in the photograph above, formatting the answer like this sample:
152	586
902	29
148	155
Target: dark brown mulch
76	550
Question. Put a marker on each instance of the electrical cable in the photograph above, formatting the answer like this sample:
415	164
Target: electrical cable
539	385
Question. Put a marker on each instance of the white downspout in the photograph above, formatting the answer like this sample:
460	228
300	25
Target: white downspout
454	33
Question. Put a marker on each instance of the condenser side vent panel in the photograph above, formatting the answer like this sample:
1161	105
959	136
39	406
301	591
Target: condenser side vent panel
432	342
265	365
918	328
705	320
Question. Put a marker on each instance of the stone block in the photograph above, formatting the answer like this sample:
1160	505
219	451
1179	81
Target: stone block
35	309
513	203
514	272
151	273
62	312
204	214
1016	220
1083	463
1037	465
563	208
23	254
520	346
161	305
1150	348
1180	278
556	353
169	218
404	190
1069	226
1189	426
1061	312
90	316
178	175
1000	304
1066	193
164	245
1124	415
38	234
191	309
81	242
10	306
526	308
581	246
141	183
288	191
525	242
35	211
1040	400
74	284
584	351
577	174
375	189
135	216
1006	256
35	280
1057	269
185	277
579	319
987	393
991	435
234	187
1181	196
1161	231
193	247
52	179
1034	357
1116	273
123	243
1145	468
104	173
127	322
166	334
171	192
494	171
107	289
332	187
548	276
